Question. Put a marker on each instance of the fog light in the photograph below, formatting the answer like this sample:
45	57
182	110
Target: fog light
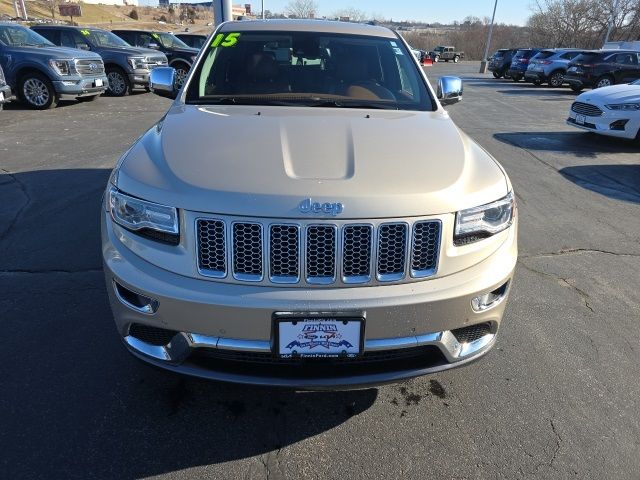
488	300
618	125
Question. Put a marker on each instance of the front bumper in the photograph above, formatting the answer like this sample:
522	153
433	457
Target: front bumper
606	123
210	318
74	87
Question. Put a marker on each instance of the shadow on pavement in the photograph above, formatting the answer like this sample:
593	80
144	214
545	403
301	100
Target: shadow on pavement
621	182
579	143
74	403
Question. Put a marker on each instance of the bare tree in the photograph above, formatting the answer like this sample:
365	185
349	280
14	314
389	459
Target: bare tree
302	8
354	14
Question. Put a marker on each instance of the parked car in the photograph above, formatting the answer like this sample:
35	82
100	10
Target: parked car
446	53
239	245
41	74
501	61
193	40
520	63
612	111
550	65
599	69
127	67
5	90
180	56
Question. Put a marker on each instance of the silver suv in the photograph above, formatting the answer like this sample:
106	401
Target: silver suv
550	66
280	225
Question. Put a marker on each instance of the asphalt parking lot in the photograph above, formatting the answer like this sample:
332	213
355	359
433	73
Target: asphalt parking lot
558	397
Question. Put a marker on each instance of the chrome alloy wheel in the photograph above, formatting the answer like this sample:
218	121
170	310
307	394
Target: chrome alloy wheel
181	76
36	92
117	84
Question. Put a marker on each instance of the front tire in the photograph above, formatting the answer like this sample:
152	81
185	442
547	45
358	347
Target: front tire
37	91
436	59
182	70
497	74
605	81
456	59
119	85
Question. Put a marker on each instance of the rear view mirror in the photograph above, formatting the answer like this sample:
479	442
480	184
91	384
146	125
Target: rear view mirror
162	82
449	90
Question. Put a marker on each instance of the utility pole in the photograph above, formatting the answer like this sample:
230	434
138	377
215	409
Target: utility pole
483	64
612	18
222	11
263	9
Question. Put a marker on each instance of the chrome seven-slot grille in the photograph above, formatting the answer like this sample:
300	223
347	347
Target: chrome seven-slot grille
317	253
153	62
90	67
586	109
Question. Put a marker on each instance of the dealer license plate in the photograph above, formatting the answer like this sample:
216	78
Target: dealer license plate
99	82
319	337
580	119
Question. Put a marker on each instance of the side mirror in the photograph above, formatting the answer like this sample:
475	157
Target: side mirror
162	82
449	90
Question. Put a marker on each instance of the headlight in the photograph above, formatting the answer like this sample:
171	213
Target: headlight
137	63
624	106
62	67
481	222
151	220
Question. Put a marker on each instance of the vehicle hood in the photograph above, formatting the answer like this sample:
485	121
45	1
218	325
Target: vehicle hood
53	52
263	161
186	51
612	94
131	51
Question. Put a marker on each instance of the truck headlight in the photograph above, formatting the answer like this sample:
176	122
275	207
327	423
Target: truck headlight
476	223
137	63
61	67
148	219
624	106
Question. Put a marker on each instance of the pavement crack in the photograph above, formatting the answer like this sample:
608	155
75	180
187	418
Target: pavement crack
16	217
49	271
583	295
558	442
578	251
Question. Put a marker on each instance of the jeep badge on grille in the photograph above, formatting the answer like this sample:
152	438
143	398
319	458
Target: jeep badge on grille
309	206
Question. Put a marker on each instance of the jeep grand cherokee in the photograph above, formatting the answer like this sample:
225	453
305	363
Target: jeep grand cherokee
281	226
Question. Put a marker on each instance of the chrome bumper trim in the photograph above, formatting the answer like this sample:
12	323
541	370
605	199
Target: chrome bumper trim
183	343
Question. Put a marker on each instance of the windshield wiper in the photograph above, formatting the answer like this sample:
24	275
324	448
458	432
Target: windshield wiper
351	104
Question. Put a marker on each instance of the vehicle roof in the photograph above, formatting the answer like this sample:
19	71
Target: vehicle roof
321	26
68	27
189	34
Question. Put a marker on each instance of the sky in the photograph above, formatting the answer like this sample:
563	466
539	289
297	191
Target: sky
431	11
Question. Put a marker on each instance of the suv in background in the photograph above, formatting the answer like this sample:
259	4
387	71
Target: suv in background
179	55
126	66
600	68
41	74
550	65
501	61
5	90
193	40
520	63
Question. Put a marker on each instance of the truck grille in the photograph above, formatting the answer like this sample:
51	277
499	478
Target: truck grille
90	67
154	62
317	254
586	109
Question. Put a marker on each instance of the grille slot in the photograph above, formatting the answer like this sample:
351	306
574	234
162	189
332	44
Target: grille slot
425	248
392	251
83	67
472	333
212	260
154	62
152	335
321	254
247	251
356	253
586	109
284	253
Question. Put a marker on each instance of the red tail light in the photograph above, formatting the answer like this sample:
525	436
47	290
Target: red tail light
545	62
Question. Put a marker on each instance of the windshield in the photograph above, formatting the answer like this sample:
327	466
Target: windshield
499	54
17	36
169	41
544	54
308	69
104	38
438	49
